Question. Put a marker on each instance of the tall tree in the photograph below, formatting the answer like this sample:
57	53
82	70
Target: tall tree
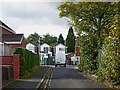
61	39
33	38
95	20
70	40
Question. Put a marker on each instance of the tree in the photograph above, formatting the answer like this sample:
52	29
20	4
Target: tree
61	39
95	20
49	39
70	40
33	38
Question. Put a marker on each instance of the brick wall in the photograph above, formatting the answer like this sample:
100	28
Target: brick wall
16	65
23	44
65	50
77	51
3	31
14	61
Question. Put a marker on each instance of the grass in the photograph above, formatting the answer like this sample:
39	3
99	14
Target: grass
32	72
5	66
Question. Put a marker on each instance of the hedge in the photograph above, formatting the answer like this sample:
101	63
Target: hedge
27	59
88	53
109	70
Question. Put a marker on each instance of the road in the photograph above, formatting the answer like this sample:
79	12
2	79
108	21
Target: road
68	77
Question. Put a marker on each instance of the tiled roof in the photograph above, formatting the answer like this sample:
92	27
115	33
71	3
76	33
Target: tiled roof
10	37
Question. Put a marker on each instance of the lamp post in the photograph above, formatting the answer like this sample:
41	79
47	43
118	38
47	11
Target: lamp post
39	51
39	48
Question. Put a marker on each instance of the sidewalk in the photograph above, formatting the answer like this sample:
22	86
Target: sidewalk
30	83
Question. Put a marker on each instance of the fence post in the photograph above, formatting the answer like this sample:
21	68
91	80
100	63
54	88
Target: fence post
16	65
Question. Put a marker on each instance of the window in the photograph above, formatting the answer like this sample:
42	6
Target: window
61	49
45	49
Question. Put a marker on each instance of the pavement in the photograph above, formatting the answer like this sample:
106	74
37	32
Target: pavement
30	83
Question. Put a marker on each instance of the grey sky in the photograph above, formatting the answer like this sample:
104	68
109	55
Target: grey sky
30	17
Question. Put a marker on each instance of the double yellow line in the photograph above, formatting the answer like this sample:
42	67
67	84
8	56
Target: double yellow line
48	82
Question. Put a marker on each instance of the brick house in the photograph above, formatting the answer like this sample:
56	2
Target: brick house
10	38
4	29
77	51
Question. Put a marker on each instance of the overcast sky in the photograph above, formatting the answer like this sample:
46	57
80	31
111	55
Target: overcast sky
30	17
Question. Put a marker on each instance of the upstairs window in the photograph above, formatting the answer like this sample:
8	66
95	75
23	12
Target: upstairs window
61	49
45	49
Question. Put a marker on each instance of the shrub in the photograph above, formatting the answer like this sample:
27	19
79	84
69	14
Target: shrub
27	59
109	70
88	53
80	67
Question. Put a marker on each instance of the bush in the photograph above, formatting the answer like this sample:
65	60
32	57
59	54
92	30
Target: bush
109	70
27	60
88	53
80	67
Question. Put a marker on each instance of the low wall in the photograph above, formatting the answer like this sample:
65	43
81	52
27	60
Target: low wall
14	61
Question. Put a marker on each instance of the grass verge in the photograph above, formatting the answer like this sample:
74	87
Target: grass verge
32	72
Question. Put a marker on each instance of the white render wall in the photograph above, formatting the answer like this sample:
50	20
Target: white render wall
45	45
60	46
30	47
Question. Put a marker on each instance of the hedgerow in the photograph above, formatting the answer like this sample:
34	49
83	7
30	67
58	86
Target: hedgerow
88	53
27	59
109	70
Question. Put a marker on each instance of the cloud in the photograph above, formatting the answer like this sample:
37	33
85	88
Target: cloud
54	30
40	17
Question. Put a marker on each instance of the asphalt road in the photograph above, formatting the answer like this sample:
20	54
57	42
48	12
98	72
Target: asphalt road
68	77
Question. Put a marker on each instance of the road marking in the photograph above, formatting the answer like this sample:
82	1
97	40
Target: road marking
40	83
47	81
50	79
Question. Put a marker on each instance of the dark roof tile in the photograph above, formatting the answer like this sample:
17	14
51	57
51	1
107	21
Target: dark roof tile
10	37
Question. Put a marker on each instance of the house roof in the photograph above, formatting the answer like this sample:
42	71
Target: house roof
3	25
30	44
60	44
45	44
7	38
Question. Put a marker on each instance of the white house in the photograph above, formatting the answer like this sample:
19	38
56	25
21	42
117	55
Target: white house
60	58
60	48
30	47
45	51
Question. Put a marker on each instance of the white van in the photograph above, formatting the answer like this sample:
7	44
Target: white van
60	55
60	59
